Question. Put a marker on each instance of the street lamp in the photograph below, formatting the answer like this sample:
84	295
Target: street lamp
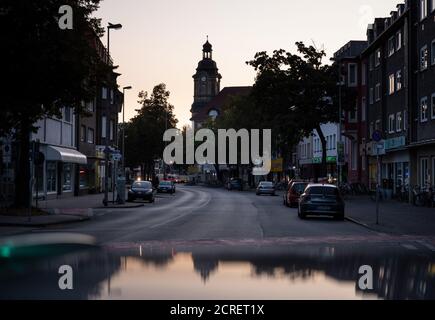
106	162
123	126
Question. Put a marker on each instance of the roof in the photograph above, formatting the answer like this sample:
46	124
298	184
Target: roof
220	100
326	185
207	47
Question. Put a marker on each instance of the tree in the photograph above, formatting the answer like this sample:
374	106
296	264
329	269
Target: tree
297	92
144	133
45	69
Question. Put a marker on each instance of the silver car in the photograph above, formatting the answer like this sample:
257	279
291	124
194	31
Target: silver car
266	187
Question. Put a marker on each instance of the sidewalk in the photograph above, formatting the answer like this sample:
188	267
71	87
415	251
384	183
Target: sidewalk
394	217
65	210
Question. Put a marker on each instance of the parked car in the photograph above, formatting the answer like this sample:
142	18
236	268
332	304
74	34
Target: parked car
235	184
294	192
141	190
321	200
166	187
266	187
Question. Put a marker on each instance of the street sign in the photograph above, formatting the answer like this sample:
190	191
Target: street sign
377	136
380	148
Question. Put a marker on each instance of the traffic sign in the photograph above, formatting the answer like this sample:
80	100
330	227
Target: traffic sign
377	136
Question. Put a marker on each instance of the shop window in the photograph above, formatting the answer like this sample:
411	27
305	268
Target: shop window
424	172
83	177
67	177
51	171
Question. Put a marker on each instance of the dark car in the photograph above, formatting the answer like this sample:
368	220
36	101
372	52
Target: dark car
141	190
266	187
235	184
166	187
321	200
294	192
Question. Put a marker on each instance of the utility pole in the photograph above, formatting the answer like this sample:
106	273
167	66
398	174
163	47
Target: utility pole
107	150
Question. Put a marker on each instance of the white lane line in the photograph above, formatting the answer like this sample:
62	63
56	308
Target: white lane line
409	247
185	214
427	245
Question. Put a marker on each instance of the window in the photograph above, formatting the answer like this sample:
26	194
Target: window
405	120
371	129
424	172
51	172
91	136
433	108
353	115
363	109
391	123
104	93
83	133
111	130
371	62
424	55
334	142
372	95
399	40
423	110
90	106
363	73
112	97
399	83
353	74
67	177
423	9
433	5
378	58
103	127
433	52
399	121
391	46
378	92
392	84
378	125
67	114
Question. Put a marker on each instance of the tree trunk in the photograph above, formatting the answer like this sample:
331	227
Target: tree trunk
22	171
324	169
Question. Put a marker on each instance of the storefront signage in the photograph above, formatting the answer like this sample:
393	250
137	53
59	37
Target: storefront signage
277	165
395	143
328	160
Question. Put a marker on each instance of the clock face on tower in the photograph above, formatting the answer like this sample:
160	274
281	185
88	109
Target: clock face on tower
203	79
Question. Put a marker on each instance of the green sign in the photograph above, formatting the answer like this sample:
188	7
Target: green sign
328	160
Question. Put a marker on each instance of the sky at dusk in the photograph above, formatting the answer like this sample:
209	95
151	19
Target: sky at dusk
161	41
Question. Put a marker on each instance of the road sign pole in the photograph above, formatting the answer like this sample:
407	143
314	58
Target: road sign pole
378	190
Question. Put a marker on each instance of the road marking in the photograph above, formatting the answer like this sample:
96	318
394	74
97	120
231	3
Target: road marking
427	245
409	246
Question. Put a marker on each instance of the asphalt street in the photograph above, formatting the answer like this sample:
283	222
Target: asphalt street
197	213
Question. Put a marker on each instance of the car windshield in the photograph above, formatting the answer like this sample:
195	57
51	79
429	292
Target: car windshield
142	185
299	187
266	184
323	191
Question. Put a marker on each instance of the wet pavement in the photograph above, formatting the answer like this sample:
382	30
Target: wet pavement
214	244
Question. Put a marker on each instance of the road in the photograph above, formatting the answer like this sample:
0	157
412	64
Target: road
196	213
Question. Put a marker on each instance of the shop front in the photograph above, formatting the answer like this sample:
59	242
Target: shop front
55	177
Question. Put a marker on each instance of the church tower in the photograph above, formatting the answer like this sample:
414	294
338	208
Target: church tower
207	80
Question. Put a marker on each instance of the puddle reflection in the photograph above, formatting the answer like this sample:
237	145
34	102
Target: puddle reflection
221	273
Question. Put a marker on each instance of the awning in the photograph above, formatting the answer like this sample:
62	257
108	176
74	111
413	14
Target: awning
65	155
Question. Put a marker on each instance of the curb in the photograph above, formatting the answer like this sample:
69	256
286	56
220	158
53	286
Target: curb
36	224
362	224
118	207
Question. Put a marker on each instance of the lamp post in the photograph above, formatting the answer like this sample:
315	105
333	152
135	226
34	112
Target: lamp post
106	150
123	127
